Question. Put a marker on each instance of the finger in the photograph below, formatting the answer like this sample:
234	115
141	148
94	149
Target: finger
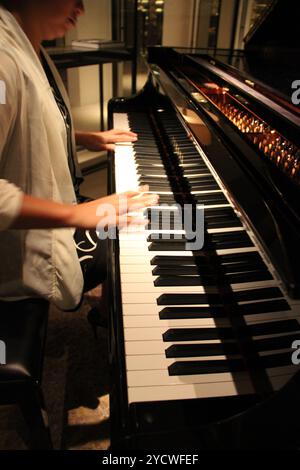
131	193
152	197
132	223
109	147
122	131
124	138
142	203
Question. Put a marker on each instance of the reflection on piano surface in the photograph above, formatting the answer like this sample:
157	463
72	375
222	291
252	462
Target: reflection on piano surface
201	341
279	150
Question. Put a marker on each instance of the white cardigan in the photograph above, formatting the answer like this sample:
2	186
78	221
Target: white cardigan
33	160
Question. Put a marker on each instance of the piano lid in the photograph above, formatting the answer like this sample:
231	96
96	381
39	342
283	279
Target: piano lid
276	29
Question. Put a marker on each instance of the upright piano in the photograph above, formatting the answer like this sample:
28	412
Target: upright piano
204	343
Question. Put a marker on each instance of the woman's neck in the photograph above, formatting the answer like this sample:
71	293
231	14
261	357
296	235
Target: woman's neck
32	32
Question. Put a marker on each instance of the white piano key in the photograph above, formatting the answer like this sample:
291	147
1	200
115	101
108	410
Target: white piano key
141	277
236	385
141	378
152	333
133	268
156	332
148	321
145	287
149	309
143	348
158	362
121	121
153	310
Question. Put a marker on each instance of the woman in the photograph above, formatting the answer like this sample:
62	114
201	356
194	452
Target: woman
38	210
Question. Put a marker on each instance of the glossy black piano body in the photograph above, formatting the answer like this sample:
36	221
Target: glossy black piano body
219	107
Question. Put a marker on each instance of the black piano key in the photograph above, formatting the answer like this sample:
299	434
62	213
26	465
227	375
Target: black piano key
207	280
184	281
177	245
274	327
231	348
173	261
201	179
197	334
203	186
147	155
214	299
231	240
193	269
277	343
170	270
196	171
144	146
181	313
219	212
203	334
164	199
155	172
250	257
211	199
200	350
231	268
276	360
258	294
146	158
167	246
154	180
225	221
189	159
158	260
270	306
156	187
252	276
206	367
188	299
186	152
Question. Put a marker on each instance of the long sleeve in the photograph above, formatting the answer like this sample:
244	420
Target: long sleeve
10	195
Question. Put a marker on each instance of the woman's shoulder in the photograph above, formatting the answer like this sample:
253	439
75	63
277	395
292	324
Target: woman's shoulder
10	76
9	64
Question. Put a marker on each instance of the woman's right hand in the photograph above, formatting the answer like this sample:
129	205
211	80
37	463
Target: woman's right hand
112	211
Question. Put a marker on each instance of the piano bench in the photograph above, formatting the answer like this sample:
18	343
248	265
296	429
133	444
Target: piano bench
23	327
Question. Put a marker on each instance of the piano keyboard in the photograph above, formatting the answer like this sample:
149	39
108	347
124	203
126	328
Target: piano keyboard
179	338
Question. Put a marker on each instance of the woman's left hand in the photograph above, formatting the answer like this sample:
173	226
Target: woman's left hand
106	140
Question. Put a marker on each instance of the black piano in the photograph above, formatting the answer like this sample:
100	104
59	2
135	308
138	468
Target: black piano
204	341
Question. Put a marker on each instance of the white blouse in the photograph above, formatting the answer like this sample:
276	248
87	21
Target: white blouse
33	160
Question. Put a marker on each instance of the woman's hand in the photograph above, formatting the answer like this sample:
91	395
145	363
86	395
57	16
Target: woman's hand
95	141
112	211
